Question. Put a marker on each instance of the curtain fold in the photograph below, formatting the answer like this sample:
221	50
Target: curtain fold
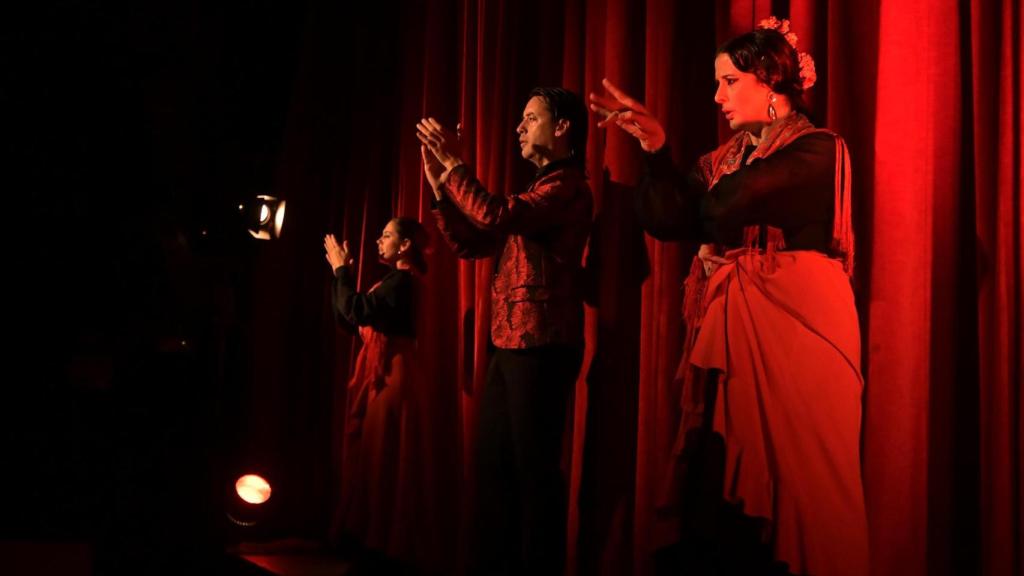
996	49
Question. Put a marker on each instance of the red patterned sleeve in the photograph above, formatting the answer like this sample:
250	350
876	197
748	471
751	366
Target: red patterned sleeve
464	238
540	208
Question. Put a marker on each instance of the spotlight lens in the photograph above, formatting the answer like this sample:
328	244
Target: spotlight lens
279	219
253	489
264	214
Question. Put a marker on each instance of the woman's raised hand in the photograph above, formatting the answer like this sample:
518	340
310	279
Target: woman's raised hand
626	113
336	255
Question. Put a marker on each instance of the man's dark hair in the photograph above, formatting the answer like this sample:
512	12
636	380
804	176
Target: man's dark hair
568	105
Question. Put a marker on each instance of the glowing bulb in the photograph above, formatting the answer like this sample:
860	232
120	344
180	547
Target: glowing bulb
253	489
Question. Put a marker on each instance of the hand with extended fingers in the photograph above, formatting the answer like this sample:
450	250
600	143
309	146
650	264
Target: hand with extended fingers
628	114
440	141
433	169
439	149
337	255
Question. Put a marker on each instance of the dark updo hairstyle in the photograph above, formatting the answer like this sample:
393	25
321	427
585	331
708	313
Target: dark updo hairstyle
568	105
410	229
768	55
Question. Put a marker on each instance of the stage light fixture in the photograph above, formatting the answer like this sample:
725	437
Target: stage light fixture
264	217
247	504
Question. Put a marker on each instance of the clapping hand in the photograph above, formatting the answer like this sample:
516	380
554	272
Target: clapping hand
438	148
337	256
439	141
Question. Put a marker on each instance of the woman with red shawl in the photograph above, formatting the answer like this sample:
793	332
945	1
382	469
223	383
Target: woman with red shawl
771	368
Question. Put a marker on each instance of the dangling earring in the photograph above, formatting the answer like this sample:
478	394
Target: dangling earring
771	109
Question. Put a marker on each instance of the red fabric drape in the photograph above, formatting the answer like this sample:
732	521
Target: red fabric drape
917	171
996	50
928	96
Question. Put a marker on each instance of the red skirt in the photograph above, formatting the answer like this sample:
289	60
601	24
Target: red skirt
381	471
781	329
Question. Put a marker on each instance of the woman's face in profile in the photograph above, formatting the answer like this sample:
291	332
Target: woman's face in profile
389	245
743	98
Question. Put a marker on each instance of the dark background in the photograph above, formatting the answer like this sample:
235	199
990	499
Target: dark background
134	131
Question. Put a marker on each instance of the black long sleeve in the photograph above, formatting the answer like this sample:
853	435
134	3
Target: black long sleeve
388	308
793	189
667	203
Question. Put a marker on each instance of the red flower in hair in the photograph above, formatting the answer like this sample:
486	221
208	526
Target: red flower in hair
807	73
